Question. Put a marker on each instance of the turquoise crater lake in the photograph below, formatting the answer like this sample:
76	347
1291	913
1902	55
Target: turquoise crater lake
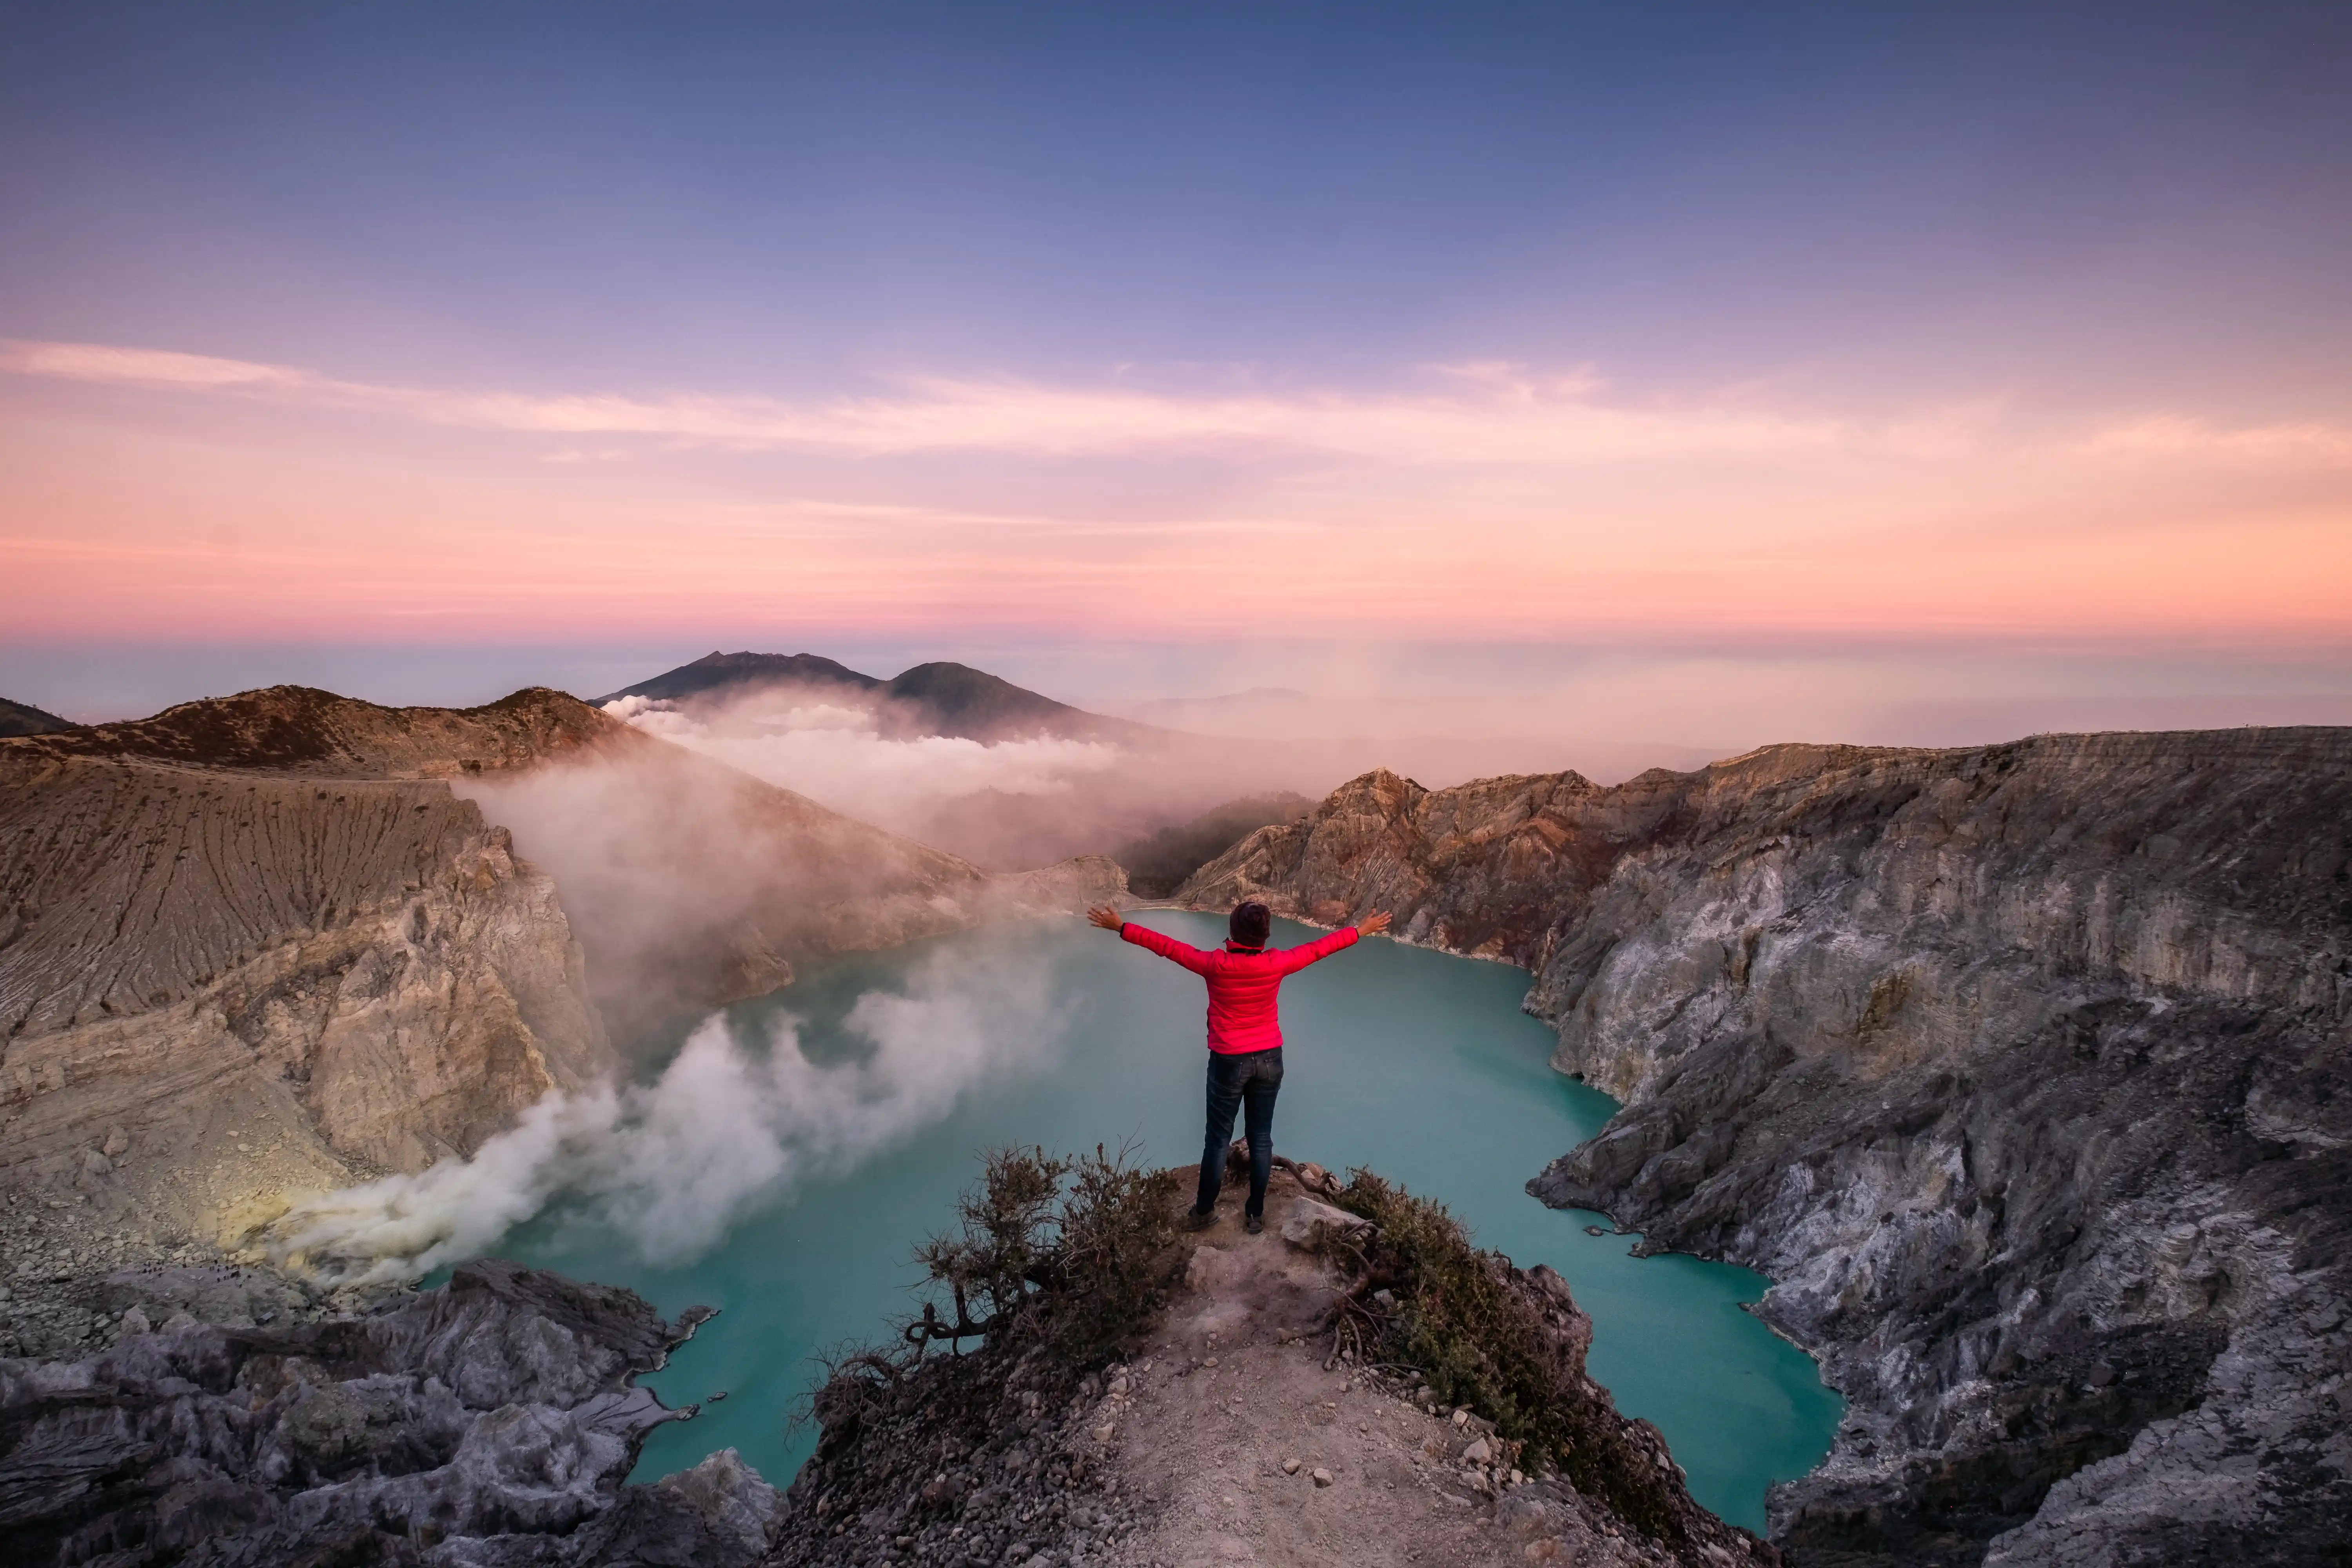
1417	1064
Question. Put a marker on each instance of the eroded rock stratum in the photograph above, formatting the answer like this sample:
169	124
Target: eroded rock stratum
2023	1069
243	982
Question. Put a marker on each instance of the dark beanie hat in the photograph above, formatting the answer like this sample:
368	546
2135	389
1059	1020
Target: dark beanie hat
1252	923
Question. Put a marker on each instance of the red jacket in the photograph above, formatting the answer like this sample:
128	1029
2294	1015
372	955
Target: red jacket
1242	984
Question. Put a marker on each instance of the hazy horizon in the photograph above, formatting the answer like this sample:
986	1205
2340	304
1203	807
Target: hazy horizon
1715	701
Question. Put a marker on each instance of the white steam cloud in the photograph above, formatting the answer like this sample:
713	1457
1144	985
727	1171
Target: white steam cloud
672	1165
838	756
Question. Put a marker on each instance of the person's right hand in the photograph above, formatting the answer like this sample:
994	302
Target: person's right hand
1372	924
1105	917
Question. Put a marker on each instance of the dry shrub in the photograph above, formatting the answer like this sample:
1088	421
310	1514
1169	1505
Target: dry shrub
1110	1266
1467	1321
1069	1254
992	1265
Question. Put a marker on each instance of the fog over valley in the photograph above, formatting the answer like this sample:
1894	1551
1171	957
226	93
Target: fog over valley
1010	779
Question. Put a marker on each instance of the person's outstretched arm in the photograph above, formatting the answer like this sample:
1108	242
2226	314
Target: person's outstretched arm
1167	947
1297	958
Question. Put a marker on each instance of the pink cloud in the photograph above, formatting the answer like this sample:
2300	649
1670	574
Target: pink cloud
1487	413
1489	499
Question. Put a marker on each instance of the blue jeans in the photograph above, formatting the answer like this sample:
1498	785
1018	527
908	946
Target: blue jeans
1240	1078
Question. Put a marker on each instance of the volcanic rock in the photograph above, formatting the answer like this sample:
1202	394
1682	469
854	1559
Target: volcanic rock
240	985
2023	1069
492	1421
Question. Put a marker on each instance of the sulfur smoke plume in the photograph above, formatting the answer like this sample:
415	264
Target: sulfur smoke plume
689	884
729	1124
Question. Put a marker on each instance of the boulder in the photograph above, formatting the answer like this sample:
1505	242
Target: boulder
1309	1224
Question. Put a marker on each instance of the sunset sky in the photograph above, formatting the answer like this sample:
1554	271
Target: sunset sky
1670	372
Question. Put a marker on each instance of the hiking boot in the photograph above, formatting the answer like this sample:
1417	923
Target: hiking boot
1255	1224
1196	1220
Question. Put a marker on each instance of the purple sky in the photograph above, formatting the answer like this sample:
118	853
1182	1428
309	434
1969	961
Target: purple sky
1712	372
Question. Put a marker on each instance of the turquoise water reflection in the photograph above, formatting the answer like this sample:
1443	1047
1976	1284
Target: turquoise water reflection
1417	1064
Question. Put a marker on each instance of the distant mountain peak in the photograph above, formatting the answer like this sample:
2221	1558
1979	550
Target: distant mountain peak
960	700
716	671
942	697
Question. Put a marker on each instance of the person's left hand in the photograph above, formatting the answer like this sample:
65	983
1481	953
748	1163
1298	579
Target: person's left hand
1372	924
1105	917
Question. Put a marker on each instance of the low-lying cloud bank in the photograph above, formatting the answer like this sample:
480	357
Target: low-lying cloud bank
728	1125
839	755
1011	802
1015	802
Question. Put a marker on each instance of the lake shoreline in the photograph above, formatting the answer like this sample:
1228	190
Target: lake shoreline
821	1262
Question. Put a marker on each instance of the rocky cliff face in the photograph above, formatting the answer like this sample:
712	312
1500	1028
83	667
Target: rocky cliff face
2023	1069
218	987
490	1422
249	948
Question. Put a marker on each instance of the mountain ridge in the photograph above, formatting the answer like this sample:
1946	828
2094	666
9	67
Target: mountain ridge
306	730
716	671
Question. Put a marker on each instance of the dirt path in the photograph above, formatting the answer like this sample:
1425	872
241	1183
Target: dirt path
1255	1454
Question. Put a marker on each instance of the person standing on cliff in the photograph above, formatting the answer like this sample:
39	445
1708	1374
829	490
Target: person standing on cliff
1244	977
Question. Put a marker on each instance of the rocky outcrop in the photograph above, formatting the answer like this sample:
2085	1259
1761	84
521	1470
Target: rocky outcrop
1232	1427
2023	1069
218	989
1157	865
689	883
251	948
490	1422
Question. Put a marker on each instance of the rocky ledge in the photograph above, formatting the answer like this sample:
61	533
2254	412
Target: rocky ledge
2023	1071
1263	1405
491	1422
